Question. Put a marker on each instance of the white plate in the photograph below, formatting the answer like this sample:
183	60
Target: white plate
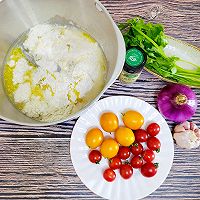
137	186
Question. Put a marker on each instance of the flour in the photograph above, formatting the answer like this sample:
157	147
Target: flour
23	93
49	94
19	71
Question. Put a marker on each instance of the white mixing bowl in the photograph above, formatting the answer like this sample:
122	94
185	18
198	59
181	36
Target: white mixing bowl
17	16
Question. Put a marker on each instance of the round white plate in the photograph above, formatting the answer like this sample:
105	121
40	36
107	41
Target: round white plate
137	186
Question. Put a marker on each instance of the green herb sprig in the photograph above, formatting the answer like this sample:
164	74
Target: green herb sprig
152	39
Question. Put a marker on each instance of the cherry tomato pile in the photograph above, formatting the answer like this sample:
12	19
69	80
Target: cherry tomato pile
124	151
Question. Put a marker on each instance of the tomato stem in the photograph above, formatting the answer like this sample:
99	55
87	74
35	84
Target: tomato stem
156	165
127	162
136	144
157	150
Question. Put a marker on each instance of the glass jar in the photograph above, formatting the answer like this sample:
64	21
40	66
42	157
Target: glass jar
134	63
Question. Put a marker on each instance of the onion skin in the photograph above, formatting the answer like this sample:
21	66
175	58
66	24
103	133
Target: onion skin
177	103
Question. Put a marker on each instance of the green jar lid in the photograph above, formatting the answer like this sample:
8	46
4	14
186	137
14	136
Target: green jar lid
135	59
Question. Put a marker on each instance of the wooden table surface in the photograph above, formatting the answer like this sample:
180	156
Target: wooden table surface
35	161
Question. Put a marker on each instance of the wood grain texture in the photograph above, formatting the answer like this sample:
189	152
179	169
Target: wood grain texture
35	161
42	169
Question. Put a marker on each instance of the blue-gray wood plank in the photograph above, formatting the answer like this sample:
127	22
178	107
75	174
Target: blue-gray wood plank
35	161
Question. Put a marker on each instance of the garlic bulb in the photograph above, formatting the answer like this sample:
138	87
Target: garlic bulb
187	135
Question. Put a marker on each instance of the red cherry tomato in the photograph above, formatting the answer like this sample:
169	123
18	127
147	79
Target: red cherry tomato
148	155
126	171
109	175
153	129
115	163
136	148
149	169
136	162
141	135
153	143
124	152
95	156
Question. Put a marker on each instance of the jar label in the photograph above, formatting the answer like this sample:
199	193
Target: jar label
128	77
134	57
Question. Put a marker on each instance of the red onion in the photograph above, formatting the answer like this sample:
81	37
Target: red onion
177	103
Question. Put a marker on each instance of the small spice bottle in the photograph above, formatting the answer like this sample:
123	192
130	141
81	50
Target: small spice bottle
135	61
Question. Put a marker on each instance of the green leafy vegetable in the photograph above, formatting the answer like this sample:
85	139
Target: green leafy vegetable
151	38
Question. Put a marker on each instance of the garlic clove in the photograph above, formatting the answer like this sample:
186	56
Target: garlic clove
187	135
186	125
186	139
197	132
182	127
